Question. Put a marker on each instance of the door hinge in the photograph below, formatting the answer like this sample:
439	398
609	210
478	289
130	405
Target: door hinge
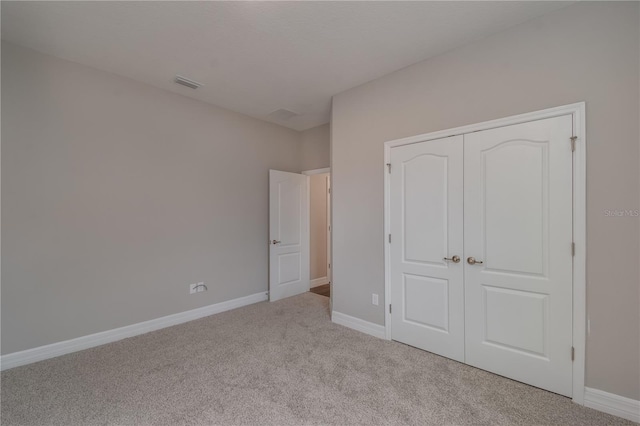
573	353
573	249
329	266
389	167
573	143
389	238
329	190
329	228
389	307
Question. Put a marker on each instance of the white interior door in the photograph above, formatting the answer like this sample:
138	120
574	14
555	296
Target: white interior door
426	219
289	234
518	227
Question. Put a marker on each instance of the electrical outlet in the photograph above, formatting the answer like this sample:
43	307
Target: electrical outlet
197	287
374	299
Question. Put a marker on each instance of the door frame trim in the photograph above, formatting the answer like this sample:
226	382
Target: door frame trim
577	112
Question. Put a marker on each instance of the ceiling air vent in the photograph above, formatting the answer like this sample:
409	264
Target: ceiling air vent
283	114
186	82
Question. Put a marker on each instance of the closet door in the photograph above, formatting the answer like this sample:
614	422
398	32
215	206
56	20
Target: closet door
426	227
518	257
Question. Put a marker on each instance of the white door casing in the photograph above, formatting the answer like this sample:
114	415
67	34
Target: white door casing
288	234
518	222
329	274
427	293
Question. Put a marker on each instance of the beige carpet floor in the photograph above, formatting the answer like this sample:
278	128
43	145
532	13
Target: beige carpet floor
281	363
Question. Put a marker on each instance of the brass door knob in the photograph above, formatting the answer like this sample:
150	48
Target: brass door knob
473	261
454	259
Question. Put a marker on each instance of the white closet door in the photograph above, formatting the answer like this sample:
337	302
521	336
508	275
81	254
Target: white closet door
426	226
518	227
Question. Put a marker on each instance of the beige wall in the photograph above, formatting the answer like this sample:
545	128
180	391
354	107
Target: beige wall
117	195
586	52
314	151
318	225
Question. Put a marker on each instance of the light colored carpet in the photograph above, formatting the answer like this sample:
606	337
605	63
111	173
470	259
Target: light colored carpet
281	363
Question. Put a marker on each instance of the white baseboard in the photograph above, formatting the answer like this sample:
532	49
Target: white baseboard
362	326
40	353
319	281
610	403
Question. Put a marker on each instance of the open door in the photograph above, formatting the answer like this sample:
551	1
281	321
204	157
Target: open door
288	234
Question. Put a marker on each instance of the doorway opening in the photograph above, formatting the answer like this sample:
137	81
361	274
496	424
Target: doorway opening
320	231
299	233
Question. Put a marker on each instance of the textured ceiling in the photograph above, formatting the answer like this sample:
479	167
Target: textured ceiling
258	57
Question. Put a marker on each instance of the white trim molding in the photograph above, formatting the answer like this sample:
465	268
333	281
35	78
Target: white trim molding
362	326
577	112
53	350
610	403
319	281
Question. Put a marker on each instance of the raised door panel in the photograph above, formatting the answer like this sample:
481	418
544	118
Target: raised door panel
515	207
289	212
425	208
426	302
516	320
